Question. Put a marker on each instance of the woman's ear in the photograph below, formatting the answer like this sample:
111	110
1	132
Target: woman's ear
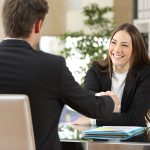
38	26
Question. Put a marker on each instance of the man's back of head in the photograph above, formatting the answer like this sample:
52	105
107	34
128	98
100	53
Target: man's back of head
19	16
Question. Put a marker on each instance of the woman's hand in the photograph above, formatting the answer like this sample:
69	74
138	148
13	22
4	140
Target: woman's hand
82	121
114	97
147	118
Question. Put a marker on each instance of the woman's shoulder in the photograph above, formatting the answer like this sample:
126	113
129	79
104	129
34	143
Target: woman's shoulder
96	71
98	67
143	70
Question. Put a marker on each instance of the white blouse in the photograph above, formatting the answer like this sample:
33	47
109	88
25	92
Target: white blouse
117	87
118	83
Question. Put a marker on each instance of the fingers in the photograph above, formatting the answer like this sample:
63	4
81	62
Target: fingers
82	121
147	119
114	97
100	94
104	93
117	103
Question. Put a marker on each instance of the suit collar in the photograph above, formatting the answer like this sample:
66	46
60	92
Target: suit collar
106	81
14	43
130	86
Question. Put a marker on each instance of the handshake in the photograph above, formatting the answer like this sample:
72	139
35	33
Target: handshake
88	121
114	97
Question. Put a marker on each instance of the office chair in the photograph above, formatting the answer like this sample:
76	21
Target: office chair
16	132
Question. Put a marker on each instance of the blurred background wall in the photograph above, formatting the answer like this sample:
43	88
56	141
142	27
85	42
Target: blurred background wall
1	27
66	15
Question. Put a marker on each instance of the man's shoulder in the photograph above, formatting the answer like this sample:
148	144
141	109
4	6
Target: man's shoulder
50	57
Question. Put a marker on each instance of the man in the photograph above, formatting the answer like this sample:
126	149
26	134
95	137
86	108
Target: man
43	77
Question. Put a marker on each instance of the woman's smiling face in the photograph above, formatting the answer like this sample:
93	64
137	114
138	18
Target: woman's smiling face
120	51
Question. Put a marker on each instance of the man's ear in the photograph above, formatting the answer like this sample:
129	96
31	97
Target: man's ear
38	25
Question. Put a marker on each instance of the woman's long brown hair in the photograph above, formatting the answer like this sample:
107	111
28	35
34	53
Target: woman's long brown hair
139	55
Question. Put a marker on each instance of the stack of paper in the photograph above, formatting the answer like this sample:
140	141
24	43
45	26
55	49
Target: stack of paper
113	132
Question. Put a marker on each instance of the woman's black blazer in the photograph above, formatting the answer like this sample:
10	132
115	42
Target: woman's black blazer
135	100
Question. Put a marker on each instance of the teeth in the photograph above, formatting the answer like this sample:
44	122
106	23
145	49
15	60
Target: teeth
117	56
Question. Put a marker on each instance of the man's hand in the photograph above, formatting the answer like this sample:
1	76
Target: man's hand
114	97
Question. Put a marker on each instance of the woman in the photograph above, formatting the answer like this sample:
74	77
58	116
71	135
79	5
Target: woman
126	73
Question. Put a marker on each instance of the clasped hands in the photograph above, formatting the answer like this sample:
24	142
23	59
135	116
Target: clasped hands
86	121
114	97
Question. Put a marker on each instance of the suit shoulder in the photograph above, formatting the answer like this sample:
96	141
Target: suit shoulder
145	69
51	57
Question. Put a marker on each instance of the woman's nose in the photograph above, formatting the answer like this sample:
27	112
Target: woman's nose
117	48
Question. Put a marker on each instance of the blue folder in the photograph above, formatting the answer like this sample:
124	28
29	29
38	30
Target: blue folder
113	132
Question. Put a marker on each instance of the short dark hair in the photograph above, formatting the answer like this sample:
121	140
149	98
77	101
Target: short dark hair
19	16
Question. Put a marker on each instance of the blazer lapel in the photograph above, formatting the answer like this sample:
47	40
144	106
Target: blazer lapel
106	82
129	88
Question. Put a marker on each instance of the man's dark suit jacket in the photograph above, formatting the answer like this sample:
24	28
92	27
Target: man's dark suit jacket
49	85
136	95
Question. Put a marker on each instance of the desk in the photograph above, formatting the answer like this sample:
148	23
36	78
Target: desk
71	139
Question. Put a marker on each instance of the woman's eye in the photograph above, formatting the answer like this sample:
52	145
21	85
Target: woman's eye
125	45
113	42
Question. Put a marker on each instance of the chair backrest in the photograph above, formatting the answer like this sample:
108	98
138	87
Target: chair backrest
16	132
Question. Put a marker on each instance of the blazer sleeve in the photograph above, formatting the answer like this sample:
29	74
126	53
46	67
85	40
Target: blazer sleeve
137	107
80	99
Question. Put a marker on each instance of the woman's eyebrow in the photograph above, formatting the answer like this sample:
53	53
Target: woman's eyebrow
124	42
